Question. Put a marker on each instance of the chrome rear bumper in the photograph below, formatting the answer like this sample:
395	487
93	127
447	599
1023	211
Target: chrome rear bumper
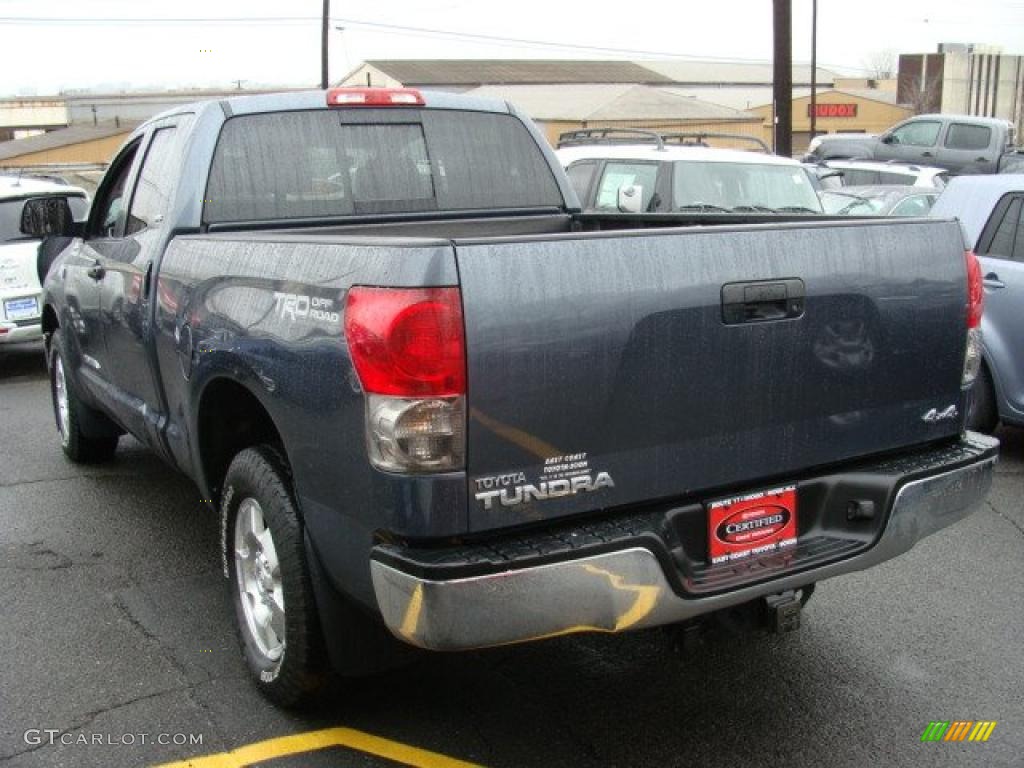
628	589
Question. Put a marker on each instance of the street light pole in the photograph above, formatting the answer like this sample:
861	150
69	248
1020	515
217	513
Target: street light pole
782	91
324	27
814	68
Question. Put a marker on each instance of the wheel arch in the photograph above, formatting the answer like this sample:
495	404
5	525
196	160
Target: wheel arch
50	321
994	348
230	417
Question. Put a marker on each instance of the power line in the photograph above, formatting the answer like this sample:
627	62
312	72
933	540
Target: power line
397	29
499	40
136	21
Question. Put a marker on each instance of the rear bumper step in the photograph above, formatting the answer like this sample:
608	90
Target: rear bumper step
624	573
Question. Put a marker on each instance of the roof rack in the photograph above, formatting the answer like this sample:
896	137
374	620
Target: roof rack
608	136
699	139
585	136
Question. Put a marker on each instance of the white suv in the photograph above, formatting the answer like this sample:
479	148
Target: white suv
661	173
859	173
20	292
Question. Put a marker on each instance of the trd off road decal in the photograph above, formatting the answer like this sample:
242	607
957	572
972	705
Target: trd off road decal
561	476
295	306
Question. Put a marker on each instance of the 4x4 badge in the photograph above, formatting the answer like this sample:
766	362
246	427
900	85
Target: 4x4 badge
935	414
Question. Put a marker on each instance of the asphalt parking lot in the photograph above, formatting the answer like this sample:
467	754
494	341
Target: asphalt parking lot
117	631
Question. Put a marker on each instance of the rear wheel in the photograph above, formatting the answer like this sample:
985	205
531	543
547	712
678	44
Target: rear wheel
72	415
278	627
982	413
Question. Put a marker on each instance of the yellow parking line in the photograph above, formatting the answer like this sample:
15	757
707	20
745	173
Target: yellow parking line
300	743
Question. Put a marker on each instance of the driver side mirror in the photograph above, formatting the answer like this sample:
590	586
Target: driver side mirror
630	198
45	216
889	139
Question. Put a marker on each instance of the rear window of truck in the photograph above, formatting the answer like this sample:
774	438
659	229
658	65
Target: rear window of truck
324	164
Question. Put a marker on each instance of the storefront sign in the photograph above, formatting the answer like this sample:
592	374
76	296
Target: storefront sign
834	110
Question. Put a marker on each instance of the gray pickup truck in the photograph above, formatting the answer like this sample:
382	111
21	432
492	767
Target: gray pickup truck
962	144
435	405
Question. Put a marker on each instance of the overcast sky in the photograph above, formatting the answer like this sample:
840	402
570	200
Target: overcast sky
63	44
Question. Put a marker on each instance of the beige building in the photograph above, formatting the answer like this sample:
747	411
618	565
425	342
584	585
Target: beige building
23	117
838	111
77	145
562	95
560	108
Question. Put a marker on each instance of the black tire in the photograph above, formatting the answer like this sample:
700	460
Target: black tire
86	435
982	413
299	674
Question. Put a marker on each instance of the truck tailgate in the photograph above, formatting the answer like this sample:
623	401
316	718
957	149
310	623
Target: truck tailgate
609	369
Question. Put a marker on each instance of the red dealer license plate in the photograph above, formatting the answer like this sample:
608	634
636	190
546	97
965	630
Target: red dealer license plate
751	524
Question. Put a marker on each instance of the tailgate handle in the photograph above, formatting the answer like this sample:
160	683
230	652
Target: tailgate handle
762	301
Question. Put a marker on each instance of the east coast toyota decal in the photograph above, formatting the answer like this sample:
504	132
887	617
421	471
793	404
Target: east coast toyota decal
754	524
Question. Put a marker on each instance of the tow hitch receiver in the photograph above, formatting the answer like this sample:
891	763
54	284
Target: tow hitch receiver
783	611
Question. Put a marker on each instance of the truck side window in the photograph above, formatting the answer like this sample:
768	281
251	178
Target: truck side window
581	175
962	136
155	183
108	209
922	133
1002	245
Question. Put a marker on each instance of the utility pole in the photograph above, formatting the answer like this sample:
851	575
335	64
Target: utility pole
814	68
324	27
782	91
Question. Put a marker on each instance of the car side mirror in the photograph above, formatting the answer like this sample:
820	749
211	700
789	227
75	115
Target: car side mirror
889	139
630	198
45	216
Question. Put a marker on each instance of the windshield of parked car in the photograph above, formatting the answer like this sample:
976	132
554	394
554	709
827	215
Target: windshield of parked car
841	204
10	217
313	164
753	187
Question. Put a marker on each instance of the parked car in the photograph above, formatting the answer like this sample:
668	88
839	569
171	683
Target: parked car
991	209
20	292
857	173
436	405
961	144
644	172
881	200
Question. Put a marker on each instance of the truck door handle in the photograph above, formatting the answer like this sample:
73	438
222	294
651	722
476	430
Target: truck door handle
992	281
96	271
927	154
981	159
762	301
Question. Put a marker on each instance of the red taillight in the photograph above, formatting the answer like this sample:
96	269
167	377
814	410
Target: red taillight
975	304
407	341
374	97
975	290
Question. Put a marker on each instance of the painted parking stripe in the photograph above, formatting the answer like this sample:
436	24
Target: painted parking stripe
299	743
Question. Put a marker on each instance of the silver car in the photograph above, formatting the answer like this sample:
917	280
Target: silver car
991	209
